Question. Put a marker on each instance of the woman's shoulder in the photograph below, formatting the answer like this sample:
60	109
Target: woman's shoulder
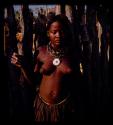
42	48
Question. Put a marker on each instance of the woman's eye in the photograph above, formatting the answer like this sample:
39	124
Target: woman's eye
54	32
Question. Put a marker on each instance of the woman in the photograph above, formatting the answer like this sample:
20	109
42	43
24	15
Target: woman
56	63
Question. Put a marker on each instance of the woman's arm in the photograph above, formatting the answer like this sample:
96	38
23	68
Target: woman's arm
37	62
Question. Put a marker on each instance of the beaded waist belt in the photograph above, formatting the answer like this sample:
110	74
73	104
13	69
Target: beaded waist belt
64	100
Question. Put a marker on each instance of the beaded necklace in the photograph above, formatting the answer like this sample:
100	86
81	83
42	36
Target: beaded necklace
57	54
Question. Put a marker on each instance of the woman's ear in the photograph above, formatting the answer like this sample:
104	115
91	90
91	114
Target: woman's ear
47	33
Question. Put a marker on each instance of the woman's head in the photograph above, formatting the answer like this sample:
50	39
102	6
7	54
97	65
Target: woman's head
58	30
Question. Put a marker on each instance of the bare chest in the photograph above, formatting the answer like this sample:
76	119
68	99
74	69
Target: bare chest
48	65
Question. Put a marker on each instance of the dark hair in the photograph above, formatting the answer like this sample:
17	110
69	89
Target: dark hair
59	18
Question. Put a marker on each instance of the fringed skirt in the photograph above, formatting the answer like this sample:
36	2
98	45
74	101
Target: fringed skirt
62	111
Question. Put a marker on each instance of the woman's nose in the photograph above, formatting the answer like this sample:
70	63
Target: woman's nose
58	34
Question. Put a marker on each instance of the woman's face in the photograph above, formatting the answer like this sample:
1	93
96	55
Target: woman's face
56	34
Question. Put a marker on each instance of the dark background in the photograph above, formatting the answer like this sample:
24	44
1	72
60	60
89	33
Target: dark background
98	103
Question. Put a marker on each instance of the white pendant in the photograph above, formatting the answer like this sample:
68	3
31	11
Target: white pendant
56	61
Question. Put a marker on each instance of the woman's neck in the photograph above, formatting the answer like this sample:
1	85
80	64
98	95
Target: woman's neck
57	52
55	47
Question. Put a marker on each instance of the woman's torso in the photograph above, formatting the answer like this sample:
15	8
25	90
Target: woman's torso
55	80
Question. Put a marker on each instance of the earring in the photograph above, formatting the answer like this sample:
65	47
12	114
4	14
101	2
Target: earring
47	33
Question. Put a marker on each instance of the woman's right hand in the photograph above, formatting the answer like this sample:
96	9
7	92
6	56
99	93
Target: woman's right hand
15	60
